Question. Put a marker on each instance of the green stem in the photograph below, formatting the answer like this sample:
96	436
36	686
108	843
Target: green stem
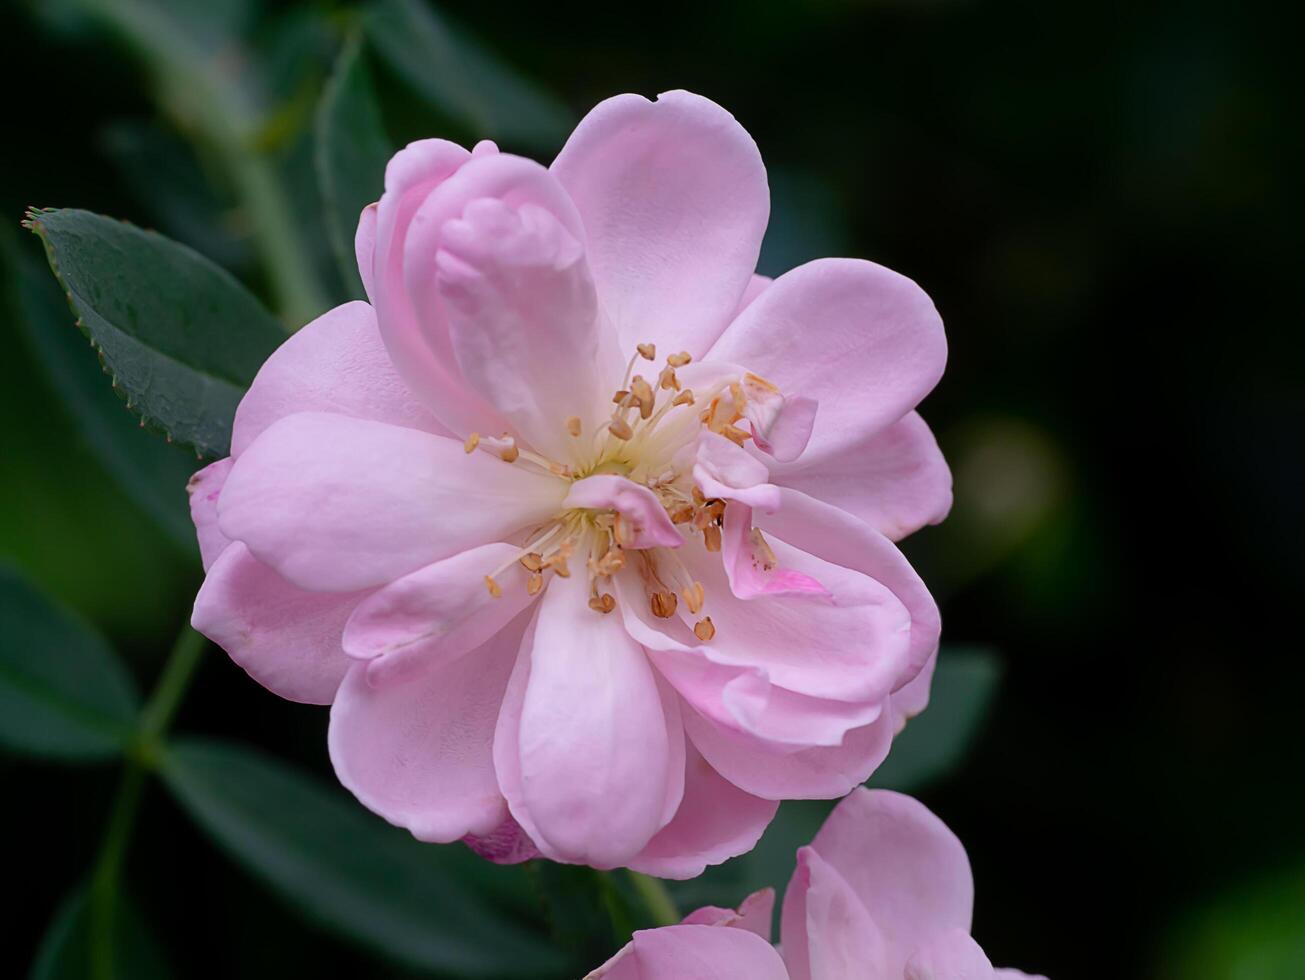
205	97
656	899
143	755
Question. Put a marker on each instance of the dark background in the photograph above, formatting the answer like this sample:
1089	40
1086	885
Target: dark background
1103	202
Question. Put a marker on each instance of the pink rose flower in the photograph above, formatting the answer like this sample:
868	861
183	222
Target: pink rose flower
555	525
884	892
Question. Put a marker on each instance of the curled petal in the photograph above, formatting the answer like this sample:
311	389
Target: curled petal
826	933
364	247
952	955
203	489
693	952
644	520
754	914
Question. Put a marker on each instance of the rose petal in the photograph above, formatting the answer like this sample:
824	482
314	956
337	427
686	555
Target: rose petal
951	955
339	504
437	612
593	740
864	341
908	869
420	753
674	200
693	952
364	247
203	489
722	469
644	520
715	822
754	914
826	933
335	364
896	481
285	638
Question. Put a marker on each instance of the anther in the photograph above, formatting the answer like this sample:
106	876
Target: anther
604	603
663	604
667	379
683	398
509	453
573	425
699	497
682	514
734	434
644	393
649	351
704	630
532	561
680	359
610	563
620	396
534	583
472	442
495	589
694	596
558	469
711	537
621	429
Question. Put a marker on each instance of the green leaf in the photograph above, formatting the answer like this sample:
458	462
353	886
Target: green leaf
463	80
352	150
63	692
179	336
936	741
153	473
65	951
433	907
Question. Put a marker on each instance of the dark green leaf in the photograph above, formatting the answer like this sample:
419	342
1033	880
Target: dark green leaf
65	952
463	80
179	336
935	742
433	907
63	692
352	150
151	471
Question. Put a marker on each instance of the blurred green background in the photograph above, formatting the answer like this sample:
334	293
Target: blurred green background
1098	198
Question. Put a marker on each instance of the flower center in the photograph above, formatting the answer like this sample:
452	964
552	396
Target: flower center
648	439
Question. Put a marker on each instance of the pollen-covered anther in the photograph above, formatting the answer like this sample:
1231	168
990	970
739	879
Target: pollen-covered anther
643	393
704	630
472	442
699	497
663	604
620	396
532	561
694	596
647	351
762	553
621	429
573	425
559	469
680	359
685	397
611	563
711	537
510	452
735	435
494	588
534	583
604	603
667	380
682	514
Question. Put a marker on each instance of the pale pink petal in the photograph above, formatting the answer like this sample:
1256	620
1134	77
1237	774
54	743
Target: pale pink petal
913	697
523	320
644	523
715	822
896	481
285	638
756	286
505	844
410	178
335	364
507	741
203	489
420	753
692	952
851	643
825	931
1007	973
783	431
593	741
338	504
754	914
484	148
908	869
674	200
436	613
422	341
951	955
722	469
862	340
824	772
752	566
364	246
836	536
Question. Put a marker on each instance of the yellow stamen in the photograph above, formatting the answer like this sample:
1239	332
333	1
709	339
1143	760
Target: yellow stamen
532	562
704	630
509	453
680	359
621	429
649	351
667	379
472	442
694	596
573	425
711	537
620	396
663	604
683	398
604	603
735	435
643	392
682	514
534	583
495	589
